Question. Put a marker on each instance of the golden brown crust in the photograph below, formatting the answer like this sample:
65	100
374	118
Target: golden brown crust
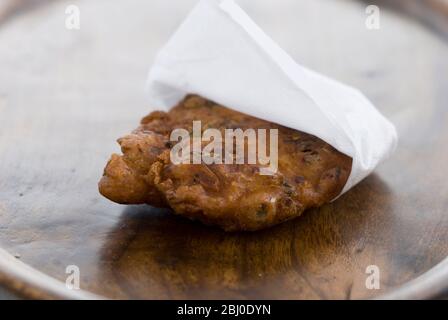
232	196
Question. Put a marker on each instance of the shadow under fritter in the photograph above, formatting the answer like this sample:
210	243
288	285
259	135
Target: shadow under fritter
154	254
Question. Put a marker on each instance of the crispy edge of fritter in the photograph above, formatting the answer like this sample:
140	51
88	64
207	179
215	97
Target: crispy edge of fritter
124	179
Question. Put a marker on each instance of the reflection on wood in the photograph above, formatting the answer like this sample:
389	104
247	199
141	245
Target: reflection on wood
66	95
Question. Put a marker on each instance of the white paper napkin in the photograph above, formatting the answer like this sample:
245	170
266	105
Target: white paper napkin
221	54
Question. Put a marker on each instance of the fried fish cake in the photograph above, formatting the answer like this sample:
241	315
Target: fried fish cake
235	197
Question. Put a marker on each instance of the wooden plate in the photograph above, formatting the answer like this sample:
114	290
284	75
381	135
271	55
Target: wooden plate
66	95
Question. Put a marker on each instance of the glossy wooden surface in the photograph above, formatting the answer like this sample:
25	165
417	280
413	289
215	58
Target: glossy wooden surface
67	95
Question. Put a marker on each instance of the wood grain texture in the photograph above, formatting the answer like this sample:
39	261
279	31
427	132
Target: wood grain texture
67	95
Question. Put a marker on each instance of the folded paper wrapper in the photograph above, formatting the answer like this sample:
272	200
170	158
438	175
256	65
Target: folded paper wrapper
221	54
